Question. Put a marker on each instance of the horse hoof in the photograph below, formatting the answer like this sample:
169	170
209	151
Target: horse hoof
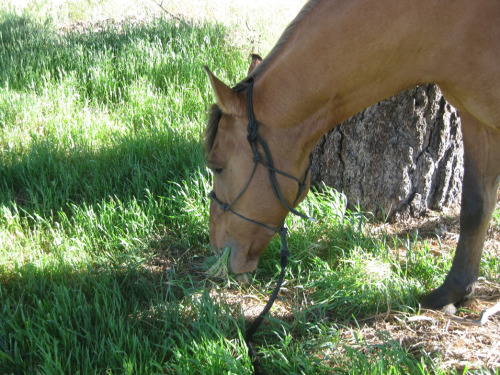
448	296
441	299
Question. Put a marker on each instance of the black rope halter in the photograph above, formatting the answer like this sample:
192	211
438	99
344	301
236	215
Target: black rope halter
255	140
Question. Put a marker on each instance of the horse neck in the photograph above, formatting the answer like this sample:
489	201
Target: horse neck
343	57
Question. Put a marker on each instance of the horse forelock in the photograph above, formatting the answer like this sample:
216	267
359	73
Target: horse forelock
211	130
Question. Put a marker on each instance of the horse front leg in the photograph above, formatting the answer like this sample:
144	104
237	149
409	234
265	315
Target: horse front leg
479	196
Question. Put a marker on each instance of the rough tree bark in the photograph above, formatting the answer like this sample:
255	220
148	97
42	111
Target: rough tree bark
397	158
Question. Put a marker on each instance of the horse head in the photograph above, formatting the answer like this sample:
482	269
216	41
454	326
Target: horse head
245	211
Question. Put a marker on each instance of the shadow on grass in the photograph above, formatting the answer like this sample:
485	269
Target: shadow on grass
157	168
46	179
169	55
102	319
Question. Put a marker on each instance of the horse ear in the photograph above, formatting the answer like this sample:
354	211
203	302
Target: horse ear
227	99
256	60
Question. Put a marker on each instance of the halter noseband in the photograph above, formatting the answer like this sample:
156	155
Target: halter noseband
254	140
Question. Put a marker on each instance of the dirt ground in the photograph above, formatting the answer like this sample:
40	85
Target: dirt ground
461	341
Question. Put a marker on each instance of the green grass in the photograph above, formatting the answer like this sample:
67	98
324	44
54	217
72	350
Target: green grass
104	220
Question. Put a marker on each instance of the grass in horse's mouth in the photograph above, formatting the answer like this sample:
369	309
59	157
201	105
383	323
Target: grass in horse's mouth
218	265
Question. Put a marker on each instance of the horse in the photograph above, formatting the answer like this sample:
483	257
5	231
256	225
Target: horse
335	59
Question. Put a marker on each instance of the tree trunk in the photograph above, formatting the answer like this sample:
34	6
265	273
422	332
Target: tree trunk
397	158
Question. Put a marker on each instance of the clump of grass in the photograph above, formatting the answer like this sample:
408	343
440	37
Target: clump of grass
218	265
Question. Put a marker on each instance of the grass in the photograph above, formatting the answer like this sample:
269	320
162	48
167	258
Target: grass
104	218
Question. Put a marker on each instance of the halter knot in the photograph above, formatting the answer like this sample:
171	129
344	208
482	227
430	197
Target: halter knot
252	131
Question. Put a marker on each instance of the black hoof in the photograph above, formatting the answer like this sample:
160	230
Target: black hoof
436	300
444	299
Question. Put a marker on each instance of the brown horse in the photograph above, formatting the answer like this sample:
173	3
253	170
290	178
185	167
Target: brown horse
335	59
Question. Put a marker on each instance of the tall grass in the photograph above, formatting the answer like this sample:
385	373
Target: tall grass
104	220
101	157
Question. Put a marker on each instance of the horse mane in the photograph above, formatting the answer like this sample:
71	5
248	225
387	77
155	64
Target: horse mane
284	38
215	113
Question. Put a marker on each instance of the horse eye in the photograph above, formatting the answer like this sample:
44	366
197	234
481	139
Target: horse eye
216	170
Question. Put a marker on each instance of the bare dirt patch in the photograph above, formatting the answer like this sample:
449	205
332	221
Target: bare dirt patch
459	341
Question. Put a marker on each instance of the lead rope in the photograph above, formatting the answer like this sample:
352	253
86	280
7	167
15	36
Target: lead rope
257	369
